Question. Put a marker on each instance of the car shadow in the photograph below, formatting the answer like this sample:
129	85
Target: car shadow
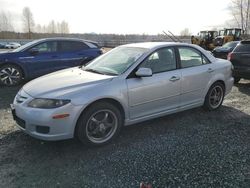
182	122
244	86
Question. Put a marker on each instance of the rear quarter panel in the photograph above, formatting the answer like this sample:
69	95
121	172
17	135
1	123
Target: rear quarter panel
222	72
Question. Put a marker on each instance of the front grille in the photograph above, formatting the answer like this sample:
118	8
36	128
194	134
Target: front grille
20	122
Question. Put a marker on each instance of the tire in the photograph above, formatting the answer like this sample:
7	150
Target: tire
99	124
236	80
10	75
214	97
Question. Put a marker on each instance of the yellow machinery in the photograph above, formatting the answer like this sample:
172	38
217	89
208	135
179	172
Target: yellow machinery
227	35
205	40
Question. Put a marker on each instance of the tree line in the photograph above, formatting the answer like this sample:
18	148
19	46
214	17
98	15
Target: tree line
28	25
239	9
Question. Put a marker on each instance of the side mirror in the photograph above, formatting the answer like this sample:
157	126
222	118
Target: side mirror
34	51
144	72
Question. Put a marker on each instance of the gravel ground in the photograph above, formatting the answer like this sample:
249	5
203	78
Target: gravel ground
188	149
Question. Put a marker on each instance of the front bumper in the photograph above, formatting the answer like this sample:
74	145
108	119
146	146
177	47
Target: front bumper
39	123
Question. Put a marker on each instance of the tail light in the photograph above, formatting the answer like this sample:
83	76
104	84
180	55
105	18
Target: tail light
229	56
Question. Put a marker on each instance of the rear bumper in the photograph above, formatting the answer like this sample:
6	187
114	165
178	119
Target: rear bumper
229	85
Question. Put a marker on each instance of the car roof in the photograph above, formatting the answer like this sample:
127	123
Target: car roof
152	45
65	38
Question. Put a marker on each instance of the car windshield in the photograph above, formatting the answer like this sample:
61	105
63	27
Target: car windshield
230	44
115	62
25	46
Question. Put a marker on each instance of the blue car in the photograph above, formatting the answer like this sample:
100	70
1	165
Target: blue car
44	56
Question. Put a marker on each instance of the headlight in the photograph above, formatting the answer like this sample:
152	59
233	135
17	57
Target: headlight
47	103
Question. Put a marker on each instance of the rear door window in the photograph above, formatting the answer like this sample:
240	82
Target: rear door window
190	57
242	48
67	46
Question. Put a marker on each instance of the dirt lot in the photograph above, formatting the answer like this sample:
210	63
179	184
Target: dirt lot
189	149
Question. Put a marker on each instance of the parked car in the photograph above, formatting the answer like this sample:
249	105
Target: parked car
240	58
12	45
222	51
127	85
2	44
44	56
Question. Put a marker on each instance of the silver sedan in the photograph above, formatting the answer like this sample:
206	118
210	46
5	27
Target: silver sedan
127	85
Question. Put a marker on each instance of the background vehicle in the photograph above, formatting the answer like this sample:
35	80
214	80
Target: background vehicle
222	51
2	44
12	45
227	35
127	85
240	58
44	56
206	39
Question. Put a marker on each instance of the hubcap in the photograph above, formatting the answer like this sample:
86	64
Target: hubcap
101	126
9	76
216	96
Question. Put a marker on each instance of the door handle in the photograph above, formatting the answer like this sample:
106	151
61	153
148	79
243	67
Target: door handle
210	70
174	78
54	56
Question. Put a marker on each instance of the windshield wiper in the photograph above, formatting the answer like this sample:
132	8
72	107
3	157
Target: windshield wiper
93	70
99	72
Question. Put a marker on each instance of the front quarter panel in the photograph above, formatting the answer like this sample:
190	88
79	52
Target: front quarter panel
115	89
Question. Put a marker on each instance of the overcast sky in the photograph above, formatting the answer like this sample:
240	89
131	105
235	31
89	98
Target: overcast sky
124	16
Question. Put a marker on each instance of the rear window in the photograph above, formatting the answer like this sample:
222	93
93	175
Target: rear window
242	48
72	46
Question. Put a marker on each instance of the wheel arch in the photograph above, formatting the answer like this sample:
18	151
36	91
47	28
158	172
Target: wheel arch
212	83
17	65
109	100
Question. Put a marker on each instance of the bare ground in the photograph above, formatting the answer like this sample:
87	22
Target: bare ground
194	148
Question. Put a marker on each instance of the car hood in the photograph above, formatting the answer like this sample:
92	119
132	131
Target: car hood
60	83
6	54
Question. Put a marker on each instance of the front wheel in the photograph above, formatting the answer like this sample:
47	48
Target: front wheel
99	124
10	75
215	96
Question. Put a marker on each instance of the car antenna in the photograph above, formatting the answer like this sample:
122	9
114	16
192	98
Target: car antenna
169	36
175	37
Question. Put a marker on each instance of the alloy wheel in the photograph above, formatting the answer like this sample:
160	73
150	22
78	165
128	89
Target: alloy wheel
216	96
101	126
10	76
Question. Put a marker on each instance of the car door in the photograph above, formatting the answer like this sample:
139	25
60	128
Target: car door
74	53
196	72
158	93
42	58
